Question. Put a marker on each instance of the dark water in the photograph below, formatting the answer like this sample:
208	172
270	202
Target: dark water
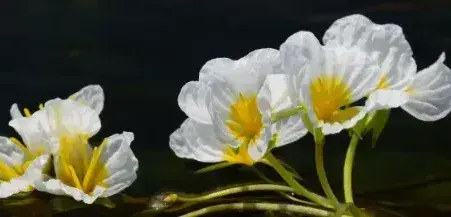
142	52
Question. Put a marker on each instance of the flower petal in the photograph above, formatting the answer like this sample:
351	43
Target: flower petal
15	112
386	43
288	130
247	74
298	50
62	117
430	92
29	130
276	85
56	187
344	119
120	163
11	154
192	99
194	140
33	174
385	99
92	96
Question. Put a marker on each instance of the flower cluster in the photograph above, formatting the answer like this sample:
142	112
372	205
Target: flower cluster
55	155
235	108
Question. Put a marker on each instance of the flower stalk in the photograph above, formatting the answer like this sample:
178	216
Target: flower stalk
300	190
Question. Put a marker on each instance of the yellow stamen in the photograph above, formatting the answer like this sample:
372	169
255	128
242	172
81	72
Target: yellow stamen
41	106
27	112
94	164
383	82
21	146
6	172
410	90
74	177
78	167
329	94
245	120
240	156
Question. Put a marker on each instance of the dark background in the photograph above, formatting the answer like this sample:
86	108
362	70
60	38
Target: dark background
142	53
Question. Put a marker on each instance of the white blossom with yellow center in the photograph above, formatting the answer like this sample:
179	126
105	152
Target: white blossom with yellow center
23	163
328	80
83	172
229	110
425	95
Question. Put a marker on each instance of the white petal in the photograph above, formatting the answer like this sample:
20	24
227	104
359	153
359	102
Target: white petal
15	112
277	87
10	154
25	182
247	74
358	30
385	99
333	128
29	129
298	50
192	99
430	98
62	117
92	96
289	130
120	163
56	187
258	149
386	43
197	141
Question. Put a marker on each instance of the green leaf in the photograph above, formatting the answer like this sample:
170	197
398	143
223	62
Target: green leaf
65	204
9	202
105	202
380	120
376	123
214	167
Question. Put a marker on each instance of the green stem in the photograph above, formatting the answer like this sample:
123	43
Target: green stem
299	209
229	191
285	113
319	162
347	168
293	183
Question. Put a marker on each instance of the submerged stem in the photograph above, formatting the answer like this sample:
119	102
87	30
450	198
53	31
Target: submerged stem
321	172
347	168
229	191
301	190
300	209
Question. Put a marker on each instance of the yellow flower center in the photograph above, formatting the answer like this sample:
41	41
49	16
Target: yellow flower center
78	165
9	172
383	82
329	94
238	156
245	120
410	90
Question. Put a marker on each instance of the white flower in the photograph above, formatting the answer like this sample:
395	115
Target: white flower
327	80
229	110
19	168
83	172
23	164
426	95
28	128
